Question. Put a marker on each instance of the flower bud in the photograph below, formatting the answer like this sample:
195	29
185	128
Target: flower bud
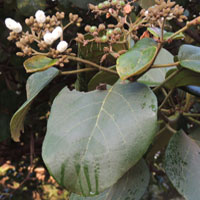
62	46
40	16
18	28
48	38
13	25
57	32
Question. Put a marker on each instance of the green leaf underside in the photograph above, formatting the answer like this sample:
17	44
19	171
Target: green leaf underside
138	59
189	57
156	76
131	186
182	161
157	33
38	63
183	78
91	142
102	77
35	83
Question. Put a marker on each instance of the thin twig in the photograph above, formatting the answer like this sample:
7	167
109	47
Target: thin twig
181	30
194	120
66	26
166	98
191	114
77	71
77	59
162	30
170	128
166	65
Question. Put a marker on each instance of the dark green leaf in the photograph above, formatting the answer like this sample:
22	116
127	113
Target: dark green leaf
183	78
38	63
138	59
189	57
29	7
182	161
35	83
102	77
93	138
131	186
156	76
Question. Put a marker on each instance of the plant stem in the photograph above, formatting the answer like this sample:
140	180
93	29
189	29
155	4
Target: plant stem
181	30
135	24
166	98
194	120
168	112
77	59
38	53
66	26
77	71
191	114
167	79
162	31
170	128
166	65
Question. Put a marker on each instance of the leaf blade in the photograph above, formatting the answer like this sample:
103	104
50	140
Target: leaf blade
138	59
38	63
189	57
182	165
33	89
132	185
90	129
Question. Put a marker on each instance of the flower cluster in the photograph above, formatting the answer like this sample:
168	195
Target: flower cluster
164	10
111	34
45	32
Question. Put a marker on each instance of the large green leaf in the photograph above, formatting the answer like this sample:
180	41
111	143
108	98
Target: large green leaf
102	77
182	163
29	7
156	76
138	59
35	83
131	186
38	63
189	57
183	78
94	138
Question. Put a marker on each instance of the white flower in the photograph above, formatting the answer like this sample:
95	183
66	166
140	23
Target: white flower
62	46
40	16
48	38
10	23
146	13
57	32
18	28
13	25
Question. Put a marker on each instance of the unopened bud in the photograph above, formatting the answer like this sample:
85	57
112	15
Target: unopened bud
48	38
40	16
62	46
57	32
